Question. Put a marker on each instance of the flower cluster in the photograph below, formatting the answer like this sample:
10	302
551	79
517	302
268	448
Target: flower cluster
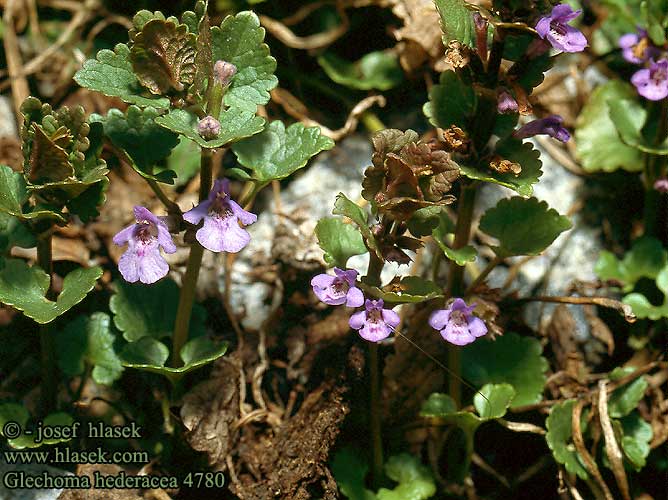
220	232
374	323
555	29
651	81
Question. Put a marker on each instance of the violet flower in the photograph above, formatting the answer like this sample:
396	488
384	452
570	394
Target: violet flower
554	29
457	324
550	125
374	323
652	82
339	289
506	103
142	260
636	47
221	231
661	185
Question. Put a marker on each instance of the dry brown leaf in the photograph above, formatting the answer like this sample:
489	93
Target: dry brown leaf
420	38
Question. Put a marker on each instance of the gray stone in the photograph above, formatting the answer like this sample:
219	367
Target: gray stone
7	119
25	494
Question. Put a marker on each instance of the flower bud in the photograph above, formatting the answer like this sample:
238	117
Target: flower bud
223	72
506	103
208	127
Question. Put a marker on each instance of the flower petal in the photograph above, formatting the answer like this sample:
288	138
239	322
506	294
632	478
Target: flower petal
195	215
245	217
222	234
144	214
477	327
375	331
439	318
124	235
165	239
457	334
391	318
357	320
355	297
152	266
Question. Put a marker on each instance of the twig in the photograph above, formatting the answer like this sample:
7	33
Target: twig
256	383
15	69
521	426
624	309
588	460
317	41
611	445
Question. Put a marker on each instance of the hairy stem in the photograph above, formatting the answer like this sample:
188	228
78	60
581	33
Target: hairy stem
372	278
456	283
47	341
189	285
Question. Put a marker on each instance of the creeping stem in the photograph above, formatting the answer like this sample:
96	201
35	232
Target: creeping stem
47	340
372	278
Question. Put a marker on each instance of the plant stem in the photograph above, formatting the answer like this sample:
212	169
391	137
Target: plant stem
456	282
481	277
655	210
169	204
372	278
49	390
189	285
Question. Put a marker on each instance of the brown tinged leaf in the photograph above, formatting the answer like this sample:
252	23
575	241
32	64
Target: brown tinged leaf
163	56
454	139
457	55
203	56
48	161
390	141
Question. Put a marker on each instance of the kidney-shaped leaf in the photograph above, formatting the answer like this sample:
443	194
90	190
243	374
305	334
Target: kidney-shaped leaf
523	226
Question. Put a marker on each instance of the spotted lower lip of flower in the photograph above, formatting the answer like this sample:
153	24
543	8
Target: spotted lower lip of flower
554	29
142	260
339	289
221	214
652	82
506	103
374	323
550	125
457	324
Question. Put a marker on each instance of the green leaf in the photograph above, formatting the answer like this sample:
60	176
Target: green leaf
625	399
343	206
425	220
451	102
89	340
277	152
137	133
111	74
25	288
14	233
413	290
636	439
515	151
456	21
349	471
185	161
645	260
339	241
416	481
150	311
149	354
558	437
643	308
597	142
13	412
163	56
442	407
377	70
493	400
523	226
13	193
461	255
235	124
509	359
239	40
629	117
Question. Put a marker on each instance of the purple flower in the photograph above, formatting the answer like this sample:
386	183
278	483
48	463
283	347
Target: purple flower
374	323
457	323
550	125
339	289
221	231
661	185
636	47
208	127
506	103
142	260
555	29
652	82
